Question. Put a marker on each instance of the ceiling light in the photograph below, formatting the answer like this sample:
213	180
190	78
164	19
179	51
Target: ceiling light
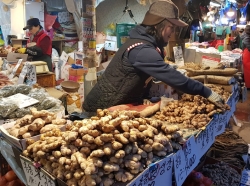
230	12
211	18
224	20
242	18
215	4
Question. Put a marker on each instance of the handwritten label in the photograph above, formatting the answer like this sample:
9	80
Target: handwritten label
205	139
245	177
185	161
221	122
31	74
5	65
160	172
178	56
22	74
35	177
21	100
15	69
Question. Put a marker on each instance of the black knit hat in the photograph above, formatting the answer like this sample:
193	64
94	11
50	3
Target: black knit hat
32	22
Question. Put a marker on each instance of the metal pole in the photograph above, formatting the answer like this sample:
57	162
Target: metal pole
89	44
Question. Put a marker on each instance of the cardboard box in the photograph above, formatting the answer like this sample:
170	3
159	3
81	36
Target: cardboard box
19	143
76	72
78	79
55	93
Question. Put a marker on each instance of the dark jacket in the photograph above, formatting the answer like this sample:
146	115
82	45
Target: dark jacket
245	41
125	80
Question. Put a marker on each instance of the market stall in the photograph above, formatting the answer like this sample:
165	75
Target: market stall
180	139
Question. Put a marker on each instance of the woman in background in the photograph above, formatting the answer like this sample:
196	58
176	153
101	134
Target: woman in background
246	55
39	44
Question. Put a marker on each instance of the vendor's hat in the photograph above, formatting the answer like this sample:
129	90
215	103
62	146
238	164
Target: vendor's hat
32	22
160	10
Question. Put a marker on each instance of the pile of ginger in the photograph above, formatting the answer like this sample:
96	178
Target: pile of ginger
104	149
191	111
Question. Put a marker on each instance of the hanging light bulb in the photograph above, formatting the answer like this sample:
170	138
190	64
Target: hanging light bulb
211	18
242	18
224	20
217	22
230	12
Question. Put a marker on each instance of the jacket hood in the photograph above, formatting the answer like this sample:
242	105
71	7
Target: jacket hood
139	32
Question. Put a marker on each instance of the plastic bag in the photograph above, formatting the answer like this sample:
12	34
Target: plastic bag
22	112
48	103
7	91
7	108
23	89
39	94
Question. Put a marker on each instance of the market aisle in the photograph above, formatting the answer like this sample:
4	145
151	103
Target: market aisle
242	113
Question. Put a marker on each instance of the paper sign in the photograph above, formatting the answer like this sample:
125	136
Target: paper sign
64	56
21	100
245	177
15	69
31	74
5	65
209	61
185	161
221	122
22	74
178	56
34	176
156	174
205	139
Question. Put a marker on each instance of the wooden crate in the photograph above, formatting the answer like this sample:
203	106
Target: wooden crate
46	80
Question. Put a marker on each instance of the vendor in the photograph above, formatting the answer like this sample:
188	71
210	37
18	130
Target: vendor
246	55
39	45
139	59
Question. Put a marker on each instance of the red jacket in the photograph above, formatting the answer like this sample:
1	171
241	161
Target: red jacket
44	42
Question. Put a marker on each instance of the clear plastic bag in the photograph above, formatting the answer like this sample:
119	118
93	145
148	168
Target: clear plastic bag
48	103
22	112
39	95
7	108
23	89
7	91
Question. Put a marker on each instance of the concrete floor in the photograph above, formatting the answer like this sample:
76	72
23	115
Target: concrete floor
242	114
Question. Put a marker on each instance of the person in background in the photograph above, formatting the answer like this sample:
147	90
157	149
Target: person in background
246	55
139	59
39	45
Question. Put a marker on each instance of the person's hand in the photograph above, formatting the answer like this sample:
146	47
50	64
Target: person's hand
147	102
21	50
217	100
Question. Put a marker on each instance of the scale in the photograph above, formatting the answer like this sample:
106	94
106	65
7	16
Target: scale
41	67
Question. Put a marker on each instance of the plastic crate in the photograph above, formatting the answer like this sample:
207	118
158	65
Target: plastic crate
122	32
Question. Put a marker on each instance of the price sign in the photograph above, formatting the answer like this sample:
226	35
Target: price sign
5	65
15	69
209	61
205	138
185	161
34	176
31	74
221	122
245	177
178	56
160	172
22	74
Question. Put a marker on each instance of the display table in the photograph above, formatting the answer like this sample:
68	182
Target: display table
57	43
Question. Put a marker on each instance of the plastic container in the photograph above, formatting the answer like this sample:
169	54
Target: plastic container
122	32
